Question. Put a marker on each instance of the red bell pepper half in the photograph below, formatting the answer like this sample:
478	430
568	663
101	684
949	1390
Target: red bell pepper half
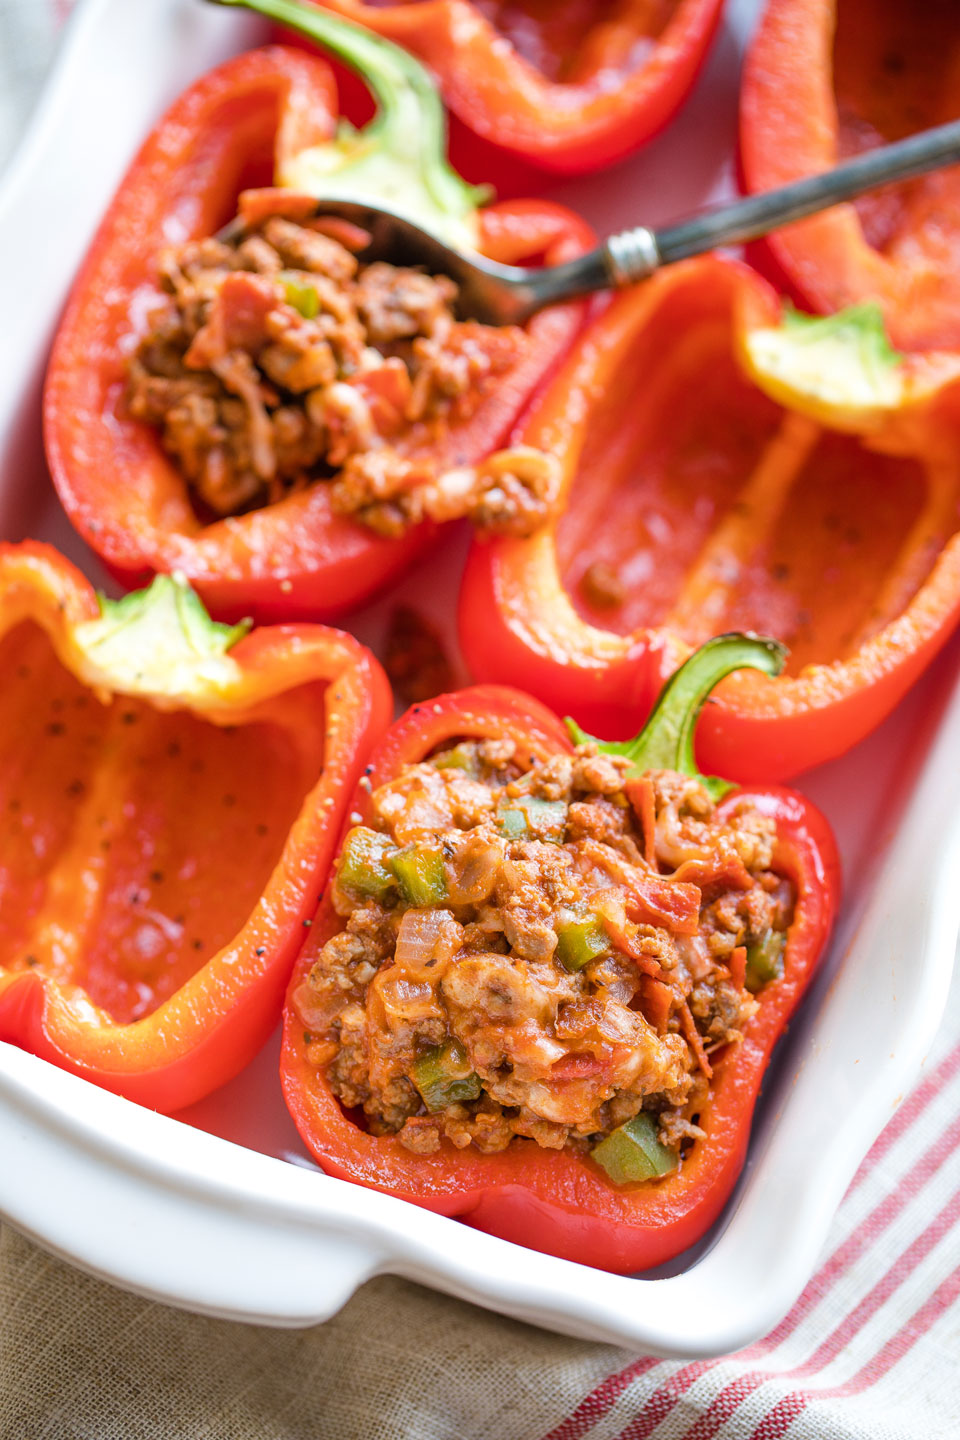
269	115
559	1201
825	80
559	84
731	467
172	790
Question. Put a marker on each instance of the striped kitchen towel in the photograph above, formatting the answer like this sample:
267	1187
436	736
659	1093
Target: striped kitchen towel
872	1346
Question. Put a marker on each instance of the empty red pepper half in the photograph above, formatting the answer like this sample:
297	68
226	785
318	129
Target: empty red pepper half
558	84
270	115
827	79
731	467
561	1201
172	791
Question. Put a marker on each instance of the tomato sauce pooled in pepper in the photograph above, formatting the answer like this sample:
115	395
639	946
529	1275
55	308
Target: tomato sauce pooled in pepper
279	361
515	961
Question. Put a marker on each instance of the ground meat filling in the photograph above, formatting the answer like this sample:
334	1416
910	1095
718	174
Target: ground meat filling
278	360
521	958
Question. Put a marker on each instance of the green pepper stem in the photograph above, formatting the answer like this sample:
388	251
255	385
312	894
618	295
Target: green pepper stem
666	741
862	327
410	124
158	642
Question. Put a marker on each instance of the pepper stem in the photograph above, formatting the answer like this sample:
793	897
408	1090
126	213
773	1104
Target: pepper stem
398	160
666	741
159	642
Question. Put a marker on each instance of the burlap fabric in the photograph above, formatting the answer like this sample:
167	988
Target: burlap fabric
869	1353
80	1359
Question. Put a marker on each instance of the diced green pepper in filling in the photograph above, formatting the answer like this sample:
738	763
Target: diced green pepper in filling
633	1152
419	873
364	864
765	960
443	1076
580	941
461	757
303	298
527	817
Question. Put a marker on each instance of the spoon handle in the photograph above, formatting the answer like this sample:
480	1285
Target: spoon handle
635	254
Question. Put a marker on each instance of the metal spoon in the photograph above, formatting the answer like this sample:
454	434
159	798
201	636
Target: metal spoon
508	294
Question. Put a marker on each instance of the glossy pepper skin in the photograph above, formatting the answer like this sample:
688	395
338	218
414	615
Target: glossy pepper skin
725	492
556	1201
235	128
826	79
575	92
172	793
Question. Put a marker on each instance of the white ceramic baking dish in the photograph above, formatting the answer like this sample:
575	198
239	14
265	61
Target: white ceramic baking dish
220	1210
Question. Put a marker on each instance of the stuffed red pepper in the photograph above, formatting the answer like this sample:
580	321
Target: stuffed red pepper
253	405
546	979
